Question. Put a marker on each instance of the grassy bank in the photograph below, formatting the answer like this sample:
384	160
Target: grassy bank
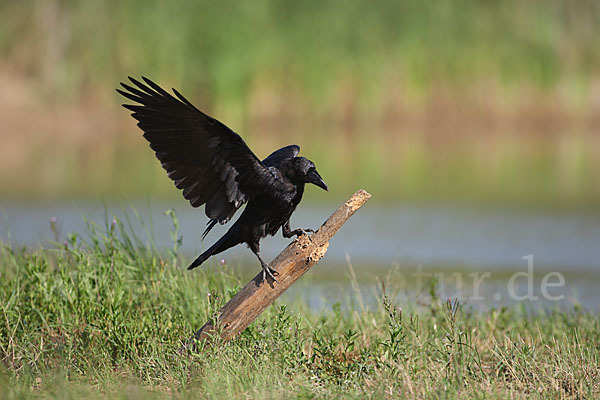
103	315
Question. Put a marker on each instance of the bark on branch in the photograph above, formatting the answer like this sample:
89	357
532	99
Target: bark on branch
297	258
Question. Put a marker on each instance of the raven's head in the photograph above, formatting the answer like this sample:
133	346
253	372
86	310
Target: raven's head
303	170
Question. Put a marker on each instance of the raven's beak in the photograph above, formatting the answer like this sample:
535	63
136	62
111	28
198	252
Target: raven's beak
316	179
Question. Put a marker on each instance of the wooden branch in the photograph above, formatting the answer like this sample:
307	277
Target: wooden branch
297	258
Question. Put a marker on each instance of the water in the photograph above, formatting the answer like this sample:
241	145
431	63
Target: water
407	244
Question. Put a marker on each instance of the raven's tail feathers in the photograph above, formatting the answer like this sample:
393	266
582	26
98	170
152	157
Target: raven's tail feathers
222	244
201	258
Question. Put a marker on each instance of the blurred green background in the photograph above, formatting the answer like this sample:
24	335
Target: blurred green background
461	101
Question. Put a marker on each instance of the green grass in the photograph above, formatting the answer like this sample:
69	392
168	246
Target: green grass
103	315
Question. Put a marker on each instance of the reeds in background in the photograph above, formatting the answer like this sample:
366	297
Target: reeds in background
467	100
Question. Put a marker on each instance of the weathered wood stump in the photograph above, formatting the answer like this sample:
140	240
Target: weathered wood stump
297	258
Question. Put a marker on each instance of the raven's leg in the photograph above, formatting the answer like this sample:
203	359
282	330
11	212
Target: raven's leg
255	247
288	233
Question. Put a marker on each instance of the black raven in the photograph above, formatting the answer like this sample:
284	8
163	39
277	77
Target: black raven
214	166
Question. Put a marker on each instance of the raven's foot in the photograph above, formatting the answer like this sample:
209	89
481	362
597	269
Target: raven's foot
270	272
299	232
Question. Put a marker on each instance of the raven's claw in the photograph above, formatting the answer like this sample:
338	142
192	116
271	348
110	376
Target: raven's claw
300	232
270	272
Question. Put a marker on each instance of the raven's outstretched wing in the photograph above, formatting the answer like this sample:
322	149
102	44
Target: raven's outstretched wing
276	157
207	160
